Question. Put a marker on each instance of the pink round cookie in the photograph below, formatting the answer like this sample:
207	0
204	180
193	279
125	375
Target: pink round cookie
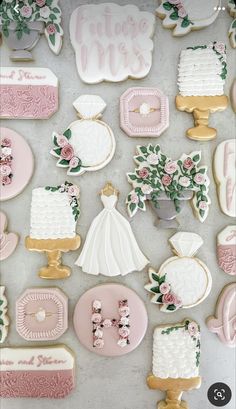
16	168
110	320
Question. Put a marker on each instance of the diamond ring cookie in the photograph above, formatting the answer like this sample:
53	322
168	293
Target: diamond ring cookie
4	320
8	241
183	280
144	112
226	249
37	372
111	42
110	320
175	364
184	16
28	93
15	151
42	314
22	23
88	144
54	214
201	80
223	323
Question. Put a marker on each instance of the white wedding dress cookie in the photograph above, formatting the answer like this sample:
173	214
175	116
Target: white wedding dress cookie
110	248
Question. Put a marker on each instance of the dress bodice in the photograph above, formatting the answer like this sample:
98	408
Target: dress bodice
109	202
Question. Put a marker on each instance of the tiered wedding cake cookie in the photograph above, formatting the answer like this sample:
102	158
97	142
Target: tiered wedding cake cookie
201	79
176	355
54	213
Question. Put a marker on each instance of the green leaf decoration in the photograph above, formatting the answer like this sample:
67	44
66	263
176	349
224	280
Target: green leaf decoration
1	321
167	6
155	277
1	302
52	38
56	10
19	34
159	299
185	23
57	151
5	32
234	24
55	140
196	158
132	177
162	279
140	159
67	134
174	16
155	290
132	207
75	170
171	307
143	149
52	17
63	162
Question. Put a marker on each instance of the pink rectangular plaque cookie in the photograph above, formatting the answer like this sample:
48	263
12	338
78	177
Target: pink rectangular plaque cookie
43	372
28	93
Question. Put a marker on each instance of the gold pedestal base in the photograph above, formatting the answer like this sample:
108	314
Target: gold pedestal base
201	107
174	389
53	249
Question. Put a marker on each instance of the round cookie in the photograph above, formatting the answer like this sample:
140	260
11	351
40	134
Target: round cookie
110	320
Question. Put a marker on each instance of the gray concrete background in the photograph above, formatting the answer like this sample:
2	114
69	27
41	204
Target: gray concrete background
120	383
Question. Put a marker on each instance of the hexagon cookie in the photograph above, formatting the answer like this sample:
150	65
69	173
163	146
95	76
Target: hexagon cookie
144	112
42	314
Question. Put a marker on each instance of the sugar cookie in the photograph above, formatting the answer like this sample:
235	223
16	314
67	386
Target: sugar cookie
226	249
4	320
8	241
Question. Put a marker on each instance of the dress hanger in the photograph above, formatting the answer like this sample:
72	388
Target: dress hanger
109	190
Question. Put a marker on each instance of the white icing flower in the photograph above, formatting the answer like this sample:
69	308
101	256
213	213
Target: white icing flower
44	12
98	333
153	159
146	189
107	323
97	305
124	321
184	181
122	342
98	343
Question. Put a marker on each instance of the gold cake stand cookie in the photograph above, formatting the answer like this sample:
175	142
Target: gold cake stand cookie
201	107
174	389
53	249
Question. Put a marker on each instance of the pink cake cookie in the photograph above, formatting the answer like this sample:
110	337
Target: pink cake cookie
41	372
42	314
144	112
16	168
110	320
8	241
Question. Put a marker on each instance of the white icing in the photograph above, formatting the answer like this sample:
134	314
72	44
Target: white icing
227	237
89	106
30	359
4	317
199	73
174	355
27	76
51	215
200	9
186	244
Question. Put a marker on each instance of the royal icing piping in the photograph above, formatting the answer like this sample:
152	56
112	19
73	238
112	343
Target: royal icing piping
4	320
6	159
226	249
112	42
8	241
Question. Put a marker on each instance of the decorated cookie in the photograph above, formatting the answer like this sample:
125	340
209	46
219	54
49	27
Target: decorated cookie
102	252
28	93
201	79
42	314
144	112
225	176
167	184
22	24
185	15
41	372
8	241
4	320
226	249
15	152
111	42
232	29
175	364
87	144
54	214
233	95
223	323
183	280
110	320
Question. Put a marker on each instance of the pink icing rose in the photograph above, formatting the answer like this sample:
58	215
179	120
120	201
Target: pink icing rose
169	298
67	152
51	29
124	332
124	311
6	142
166	180
164	288
178	302
202	205
44	12
143	173
170	167
107	323
5	170
134	198
74	162
122	342
146	189
192	328
97	304
182	12
96	318
219	47
26	11
184	181
153	159
62	141
188	163
6	180
124	321
98	343
40	3
73	190
199	179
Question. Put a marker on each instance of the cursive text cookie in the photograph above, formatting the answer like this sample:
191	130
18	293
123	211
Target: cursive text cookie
8	241
4	320
111	42
226	249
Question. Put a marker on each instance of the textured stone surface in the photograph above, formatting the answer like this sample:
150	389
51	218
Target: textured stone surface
120	383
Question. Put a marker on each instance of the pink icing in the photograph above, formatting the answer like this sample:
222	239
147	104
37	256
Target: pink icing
28	101
36	384
8	241
224	324
230	185
227	258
